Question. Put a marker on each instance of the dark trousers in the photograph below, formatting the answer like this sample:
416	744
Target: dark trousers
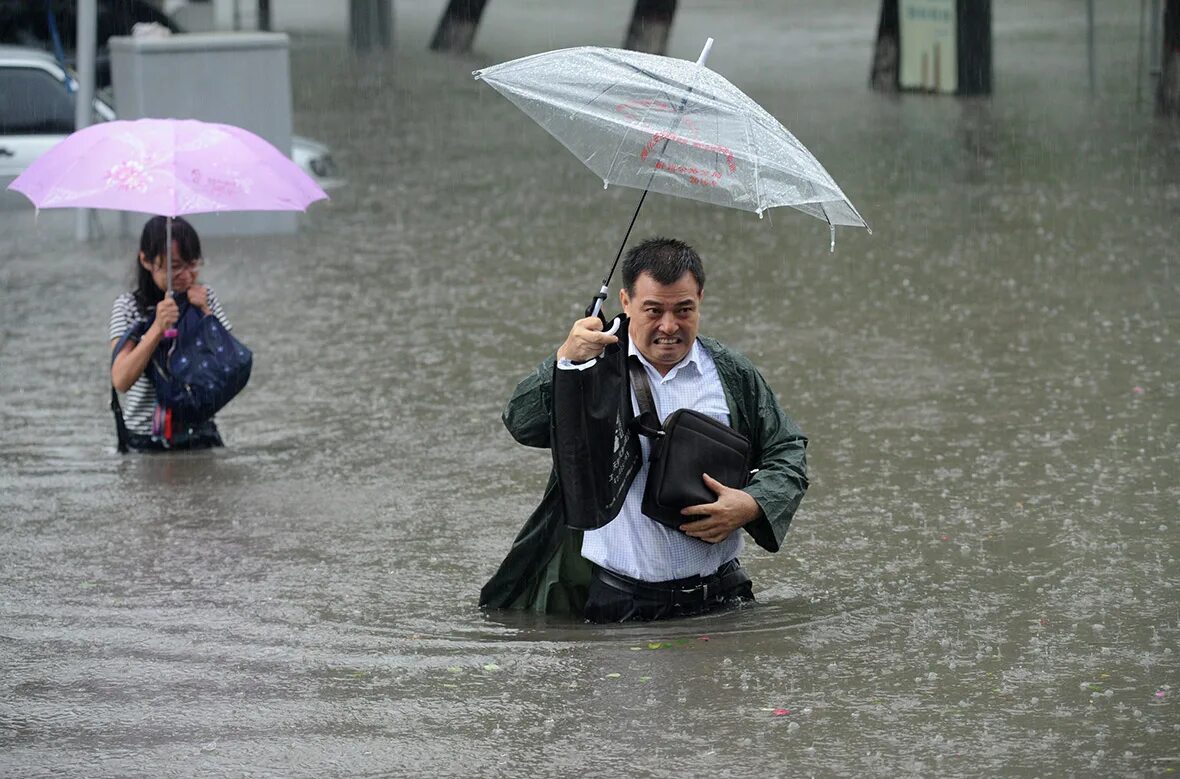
204	436
616	598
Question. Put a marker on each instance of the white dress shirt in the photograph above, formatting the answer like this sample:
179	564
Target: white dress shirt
635	545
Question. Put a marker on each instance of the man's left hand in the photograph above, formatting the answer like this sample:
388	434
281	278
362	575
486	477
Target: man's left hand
733	509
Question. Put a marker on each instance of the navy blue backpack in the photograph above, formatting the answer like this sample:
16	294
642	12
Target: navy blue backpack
195	374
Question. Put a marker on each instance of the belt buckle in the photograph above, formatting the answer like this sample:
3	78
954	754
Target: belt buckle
702	588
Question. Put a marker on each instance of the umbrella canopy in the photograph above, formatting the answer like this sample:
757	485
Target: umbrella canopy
672	126
169	167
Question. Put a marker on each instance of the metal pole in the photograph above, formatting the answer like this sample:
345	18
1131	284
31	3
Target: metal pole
1139	64
168	254
171	332
1154	59
87	45
1090	43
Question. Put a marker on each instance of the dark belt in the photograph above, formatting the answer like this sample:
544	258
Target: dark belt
689	591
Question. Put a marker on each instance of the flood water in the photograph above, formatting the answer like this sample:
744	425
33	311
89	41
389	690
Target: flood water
982	579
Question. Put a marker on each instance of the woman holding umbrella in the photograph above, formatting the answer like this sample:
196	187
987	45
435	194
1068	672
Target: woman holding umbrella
147	313
170	167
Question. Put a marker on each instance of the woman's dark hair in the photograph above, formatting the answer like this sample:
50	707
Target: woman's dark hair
153	243
666	259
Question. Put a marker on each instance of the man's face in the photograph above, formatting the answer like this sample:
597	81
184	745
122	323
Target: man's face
664	318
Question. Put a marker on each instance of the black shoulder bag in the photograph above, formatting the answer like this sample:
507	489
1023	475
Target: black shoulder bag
688	445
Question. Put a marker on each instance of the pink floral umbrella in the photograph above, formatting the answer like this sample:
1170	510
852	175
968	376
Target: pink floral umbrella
168	167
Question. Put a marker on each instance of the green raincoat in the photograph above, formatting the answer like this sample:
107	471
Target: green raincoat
545	571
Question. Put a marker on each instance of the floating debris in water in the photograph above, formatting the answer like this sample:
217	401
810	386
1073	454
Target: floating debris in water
679	642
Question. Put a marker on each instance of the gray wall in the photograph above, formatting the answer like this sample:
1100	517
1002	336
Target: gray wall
241	79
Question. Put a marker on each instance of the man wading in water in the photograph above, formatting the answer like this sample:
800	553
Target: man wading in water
634	567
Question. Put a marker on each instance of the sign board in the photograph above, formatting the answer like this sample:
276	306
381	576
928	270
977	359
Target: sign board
929	55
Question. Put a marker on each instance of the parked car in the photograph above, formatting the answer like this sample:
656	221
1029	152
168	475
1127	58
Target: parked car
37	98
52	25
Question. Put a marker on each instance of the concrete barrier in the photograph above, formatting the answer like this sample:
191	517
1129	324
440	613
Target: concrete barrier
242	79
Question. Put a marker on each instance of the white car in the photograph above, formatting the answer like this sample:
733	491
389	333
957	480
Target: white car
37	111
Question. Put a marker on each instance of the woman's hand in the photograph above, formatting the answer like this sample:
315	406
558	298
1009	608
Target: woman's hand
167	314
198	295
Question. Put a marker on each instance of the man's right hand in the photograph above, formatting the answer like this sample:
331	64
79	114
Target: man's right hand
585	341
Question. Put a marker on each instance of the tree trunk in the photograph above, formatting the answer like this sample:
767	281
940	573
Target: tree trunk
370	23
651	23
1167	101
975	47
456	29
886	70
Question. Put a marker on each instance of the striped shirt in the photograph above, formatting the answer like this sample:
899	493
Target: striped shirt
141	397
635	545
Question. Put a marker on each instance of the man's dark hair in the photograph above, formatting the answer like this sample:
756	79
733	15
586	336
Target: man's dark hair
666	259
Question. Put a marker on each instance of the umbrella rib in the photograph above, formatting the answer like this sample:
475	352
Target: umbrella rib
658	80
610	169
630	128
678	117
757	174
595	99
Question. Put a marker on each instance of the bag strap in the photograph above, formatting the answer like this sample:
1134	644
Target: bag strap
136	332
120	424
648	421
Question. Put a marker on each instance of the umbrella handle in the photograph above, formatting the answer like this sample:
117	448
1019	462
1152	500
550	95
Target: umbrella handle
171	332
595	307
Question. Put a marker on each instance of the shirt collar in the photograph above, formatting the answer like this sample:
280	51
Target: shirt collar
691	361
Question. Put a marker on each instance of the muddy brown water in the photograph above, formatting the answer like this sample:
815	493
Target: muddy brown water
982	579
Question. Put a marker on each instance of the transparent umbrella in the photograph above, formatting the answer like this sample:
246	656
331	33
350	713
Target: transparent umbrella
672	126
